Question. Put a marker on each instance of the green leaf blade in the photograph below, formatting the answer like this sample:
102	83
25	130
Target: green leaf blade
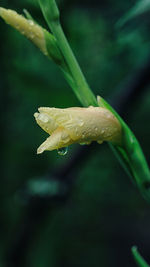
138	258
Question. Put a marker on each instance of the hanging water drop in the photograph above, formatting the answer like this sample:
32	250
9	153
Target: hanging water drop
82	144
62	151
99	142
85	143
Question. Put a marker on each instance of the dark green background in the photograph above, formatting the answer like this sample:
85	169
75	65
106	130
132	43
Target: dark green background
103	215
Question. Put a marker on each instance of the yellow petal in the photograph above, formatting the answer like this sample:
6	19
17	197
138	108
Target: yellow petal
59	138
46	122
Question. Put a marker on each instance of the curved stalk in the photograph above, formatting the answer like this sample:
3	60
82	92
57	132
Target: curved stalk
130	153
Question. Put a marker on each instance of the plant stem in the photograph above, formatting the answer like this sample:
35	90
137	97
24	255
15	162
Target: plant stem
51	14
130	154
138	258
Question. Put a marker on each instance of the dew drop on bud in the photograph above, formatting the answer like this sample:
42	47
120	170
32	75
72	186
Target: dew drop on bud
80	123
62	151
31	22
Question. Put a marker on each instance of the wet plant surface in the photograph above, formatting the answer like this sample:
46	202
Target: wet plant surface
80	209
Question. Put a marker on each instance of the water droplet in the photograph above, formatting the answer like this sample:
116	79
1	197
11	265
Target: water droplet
82	144
31	22
64	136
100	142
85	143
108	116
76	132
62	151
80	123
43	117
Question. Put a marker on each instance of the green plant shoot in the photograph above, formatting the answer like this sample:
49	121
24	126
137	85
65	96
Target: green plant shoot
130	153
56	47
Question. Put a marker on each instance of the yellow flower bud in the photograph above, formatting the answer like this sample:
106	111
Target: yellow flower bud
44	40
77	125
27	27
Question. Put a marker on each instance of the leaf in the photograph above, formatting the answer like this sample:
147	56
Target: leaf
138	258
131	155
140	8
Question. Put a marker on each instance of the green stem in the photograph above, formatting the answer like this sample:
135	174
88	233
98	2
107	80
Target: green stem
51	14
130	154
138	258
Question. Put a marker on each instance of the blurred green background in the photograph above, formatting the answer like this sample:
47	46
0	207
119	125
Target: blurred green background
80	209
